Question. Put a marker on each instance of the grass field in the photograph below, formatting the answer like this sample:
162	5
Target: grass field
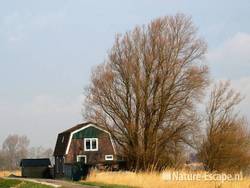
9	183
149	180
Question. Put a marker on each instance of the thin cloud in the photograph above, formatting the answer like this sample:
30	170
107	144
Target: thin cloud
44	116
231	59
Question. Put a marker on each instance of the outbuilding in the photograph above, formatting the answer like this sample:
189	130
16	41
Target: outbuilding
36	168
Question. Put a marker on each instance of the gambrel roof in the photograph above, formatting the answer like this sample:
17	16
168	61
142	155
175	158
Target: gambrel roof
64	138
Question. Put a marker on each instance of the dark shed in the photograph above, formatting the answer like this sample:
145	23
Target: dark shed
35	168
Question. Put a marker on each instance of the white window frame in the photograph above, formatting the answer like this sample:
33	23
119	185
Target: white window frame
109	157
91	140
80	156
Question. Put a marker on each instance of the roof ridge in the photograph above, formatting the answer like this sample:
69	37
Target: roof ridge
78	126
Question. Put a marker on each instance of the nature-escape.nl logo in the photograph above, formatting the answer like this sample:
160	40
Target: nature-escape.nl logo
204	176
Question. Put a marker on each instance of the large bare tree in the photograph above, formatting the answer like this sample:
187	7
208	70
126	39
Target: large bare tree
146	91
226	146
14	148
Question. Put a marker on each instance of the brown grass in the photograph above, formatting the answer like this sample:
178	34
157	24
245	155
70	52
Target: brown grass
149	180
6	173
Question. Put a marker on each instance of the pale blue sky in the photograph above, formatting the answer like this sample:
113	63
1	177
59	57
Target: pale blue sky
48	48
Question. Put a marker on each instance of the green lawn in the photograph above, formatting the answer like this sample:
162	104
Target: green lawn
32	185
103	185
7	183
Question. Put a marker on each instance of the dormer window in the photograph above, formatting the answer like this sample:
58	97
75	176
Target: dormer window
90	144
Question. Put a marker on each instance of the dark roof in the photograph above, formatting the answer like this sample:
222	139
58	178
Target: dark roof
35	162
72	129
63	139
61	144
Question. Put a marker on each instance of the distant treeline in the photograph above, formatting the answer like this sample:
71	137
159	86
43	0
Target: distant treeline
15	148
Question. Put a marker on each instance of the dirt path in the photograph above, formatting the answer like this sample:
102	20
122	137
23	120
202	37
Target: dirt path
56	183
65	184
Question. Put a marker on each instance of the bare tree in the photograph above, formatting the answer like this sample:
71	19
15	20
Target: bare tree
227	143
40	152
145	93
2	160
14	149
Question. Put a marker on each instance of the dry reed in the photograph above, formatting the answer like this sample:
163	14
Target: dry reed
6	173
155	180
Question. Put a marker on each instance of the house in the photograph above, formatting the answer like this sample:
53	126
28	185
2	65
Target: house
86	143
35	168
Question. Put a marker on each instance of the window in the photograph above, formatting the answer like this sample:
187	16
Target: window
91	144
81	158
87	144
94	146
109	157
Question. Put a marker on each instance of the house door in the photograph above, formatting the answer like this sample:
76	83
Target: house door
82	159
80	169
